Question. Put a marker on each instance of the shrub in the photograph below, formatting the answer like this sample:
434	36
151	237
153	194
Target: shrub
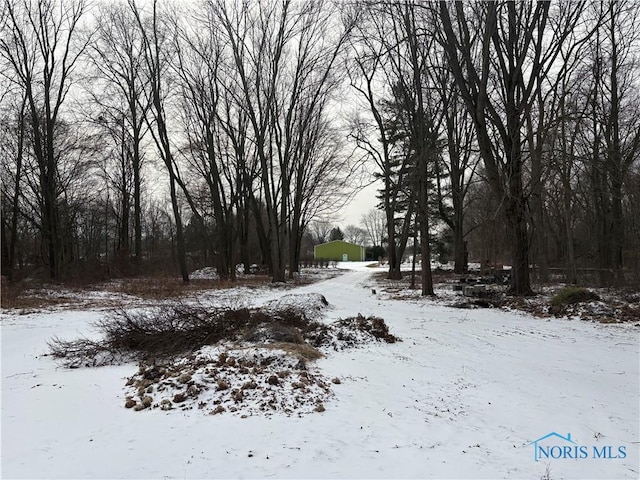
571	295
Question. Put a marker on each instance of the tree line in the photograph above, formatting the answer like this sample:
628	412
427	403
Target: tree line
227	106
514	123
138	133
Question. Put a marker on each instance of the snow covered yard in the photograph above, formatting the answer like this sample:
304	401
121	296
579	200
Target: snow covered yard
462	396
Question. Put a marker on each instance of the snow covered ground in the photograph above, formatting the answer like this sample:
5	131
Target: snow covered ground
462	396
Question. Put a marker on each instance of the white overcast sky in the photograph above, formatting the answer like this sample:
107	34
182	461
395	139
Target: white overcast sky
361	203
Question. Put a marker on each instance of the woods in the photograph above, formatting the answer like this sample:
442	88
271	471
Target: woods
138	136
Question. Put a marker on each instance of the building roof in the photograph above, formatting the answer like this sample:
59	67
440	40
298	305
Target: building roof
338	241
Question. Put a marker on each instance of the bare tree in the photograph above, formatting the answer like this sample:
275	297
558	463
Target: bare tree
373	222
324	177
257	35
401	48
117	170
284	59
157	59
372	78
117	56
497	51
412	48
199	67
320	231
355	234
13	126
456	173
565	135
617	103
39	44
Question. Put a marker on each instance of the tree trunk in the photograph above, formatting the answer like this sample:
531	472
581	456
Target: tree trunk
571	272
504	53
181	250
7	270
277	260
231	250
537	191
295	242
392	253
459	253
137	203
50	228
9	249
264	237
425	250
243	236
520	283
515	210
413	260
615	163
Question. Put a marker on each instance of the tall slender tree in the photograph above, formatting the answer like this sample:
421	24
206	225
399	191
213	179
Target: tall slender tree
116	53
157	56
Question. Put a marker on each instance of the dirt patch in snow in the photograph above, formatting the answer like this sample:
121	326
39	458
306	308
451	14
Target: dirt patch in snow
241	380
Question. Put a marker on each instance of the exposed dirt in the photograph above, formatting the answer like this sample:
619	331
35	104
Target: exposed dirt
240	380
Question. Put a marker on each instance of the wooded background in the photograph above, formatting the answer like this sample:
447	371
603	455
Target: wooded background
138	137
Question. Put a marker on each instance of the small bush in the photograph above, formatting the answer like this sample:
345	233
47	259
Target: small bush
571	295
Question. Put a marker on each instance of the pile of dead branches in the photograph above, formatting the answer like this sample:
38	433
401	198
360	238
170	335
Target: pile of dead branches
180	328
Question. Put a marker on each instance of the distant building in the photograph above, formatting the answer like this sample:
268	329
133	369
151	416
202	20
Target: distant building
340	251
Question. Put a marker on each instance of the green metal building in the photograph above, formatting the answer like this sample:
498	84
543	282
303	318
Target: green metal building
340	251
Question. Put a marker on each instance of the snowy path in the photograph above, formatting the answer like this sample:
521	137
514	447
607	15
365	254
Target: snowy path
460	397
